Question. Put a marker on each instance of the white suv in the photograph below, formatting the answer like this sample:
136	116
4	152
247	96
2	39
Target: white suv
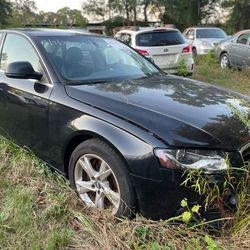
167	47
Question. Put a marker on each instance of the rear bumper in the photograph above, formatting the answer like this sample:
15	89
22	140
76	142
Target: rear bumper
175	67
203	50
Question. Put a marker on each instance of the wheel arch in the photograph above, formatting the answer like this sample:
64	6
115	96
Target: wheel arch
128	146
81	136
225	52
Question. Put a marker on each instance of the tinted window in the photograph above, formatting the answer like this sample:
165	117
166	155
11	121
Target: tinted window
17	48
242	39
81	58
211	33
159	38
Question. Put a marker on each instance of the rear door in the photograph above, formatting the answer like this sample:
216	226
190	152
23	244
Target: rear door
25	117
239	50
163	46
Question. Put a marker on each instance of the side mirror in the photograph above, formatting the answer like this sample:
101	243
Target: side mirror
22	70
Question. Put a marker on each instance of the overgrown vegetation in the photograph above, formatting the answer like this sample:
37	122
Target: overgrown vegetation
182	69
207	69
38	210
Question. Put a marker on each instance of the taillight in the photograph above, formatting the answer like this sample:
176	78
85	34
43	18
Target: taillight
187	49
143	52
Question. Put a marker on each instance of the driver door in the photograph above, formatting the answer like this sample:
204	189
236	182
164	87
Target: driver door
25	116
239	50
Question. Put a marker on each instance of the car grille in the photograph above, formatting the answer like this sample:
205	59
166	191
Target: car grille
245	152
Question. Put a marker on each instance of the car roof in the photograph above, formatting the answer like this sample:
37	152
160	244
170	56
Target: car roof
146	29
197	27
34	32
242	31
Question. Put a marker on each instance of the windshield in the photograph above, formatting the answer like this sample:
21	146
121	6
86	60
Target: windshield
85	59
211	33
159	38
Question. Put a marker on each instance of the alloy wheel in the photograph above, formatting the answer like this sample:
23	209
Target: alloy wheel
96	183
224	63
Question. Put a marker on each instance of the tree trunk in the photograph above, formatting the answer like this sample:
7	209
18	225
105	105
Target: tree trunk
146	3
134	11
126	5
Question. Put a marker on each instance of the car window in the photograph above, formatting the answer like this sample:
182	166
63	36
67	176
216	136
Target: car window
242	39
17	48
211	33
159	38
95	59
190	34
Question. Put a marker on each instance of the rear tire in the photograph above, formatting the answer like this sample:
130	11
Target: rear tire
101	179
194	50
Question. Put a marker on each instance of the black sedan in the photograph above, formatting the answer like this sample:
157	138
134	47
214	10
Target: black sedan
121	130
235	51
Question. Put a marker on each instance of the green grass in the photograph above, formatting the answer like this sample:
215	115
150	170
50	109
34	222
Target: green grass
231	79
38	210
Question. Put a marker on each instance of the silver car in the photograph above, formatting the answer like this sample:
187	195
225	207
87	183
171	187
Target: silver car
204	39
235	52
165	46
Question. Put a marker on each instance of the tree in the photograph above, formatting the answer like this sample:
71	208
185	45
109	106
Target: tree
185	13
239	17
48	17
69	17
96	9
102	9
5	11
145	4
23	12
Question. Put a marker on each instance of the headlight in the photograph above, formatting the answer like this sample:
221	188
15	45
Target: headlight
206	160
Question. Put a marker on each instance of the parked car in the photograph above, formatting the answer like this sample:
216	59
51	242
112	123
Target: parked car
235	52
166	46
204	39
119	128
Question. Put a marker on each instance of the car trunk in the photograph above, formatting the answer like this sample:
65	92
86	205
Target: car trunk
165	47
166	56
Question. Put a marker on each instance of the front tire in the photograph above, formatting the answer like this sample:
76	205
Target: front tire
224	61
101	179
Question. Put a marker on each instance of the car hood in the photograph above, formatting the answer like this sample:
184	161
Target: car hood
212	40
180	111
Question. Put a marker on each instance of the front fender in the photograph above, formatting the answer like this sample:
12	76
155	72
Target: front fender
137	154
